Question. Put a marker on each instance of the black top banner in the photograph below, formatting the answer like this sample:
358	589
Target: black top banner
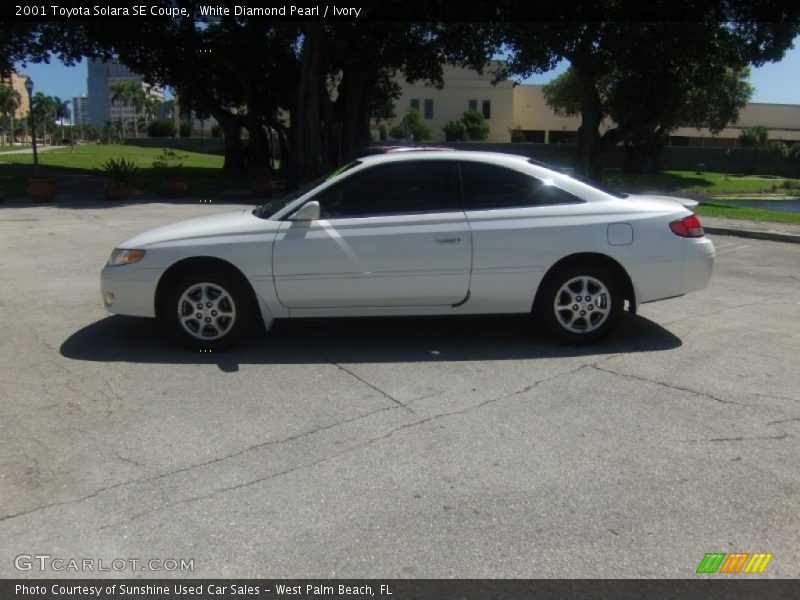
400	589
388	10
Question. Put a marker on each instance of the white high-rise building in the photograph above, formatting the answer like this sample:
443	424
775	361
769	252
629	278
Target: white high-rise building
102	75
80	110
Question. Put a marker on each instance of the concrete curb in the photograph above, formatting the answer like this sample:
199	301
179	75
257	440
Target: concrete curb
754	235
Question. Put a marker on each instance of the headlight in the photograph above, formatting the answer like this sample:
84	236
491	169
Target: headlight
121	256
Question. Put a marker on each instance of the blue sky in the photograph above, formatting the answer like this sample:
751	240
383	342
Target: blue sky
777	82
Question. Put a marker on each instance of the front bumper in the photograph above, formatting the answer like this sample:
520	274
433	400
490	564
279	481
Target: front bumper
129	290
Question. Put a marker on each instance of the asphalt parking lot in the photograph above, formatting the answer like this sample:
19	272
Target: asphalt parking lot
470	447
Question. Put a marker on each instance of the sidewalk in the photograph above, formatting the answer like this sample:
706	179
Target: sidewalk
29	150
759	230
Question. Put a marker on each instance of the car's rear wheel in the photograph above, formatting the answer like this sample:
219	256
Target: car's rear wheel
209	309
581	304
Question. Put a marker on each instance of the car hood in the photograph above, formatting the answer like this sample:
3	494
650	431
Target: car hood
229	223
685	202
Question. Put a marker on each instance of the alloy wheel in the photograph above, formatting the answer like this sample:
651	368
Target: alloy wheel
206	311
582	304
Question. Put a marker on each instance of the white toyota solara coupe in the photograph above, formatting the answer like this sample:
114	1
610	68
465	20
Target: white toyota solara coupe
416	233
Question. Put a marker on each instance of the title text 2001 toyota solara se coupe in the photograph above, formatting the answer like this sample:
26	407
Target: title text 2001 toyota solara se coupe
416	233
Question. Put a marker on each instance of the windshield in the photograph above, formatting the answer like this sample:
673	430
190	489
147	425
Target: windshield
589	182
265	211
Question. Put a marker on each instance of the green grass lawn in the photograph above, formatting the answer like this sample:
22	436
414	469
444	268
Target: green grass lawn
88	158
714	186
704	184
202	171
745	212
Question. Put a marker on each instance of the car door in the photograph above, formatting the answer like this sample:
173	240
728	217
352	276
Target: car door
389	235
520	224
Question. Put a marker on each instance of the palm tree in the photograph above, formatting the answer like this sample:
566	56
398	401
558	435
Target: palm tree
10	101
150	107
122	92
109	133
131	94
61	112
44	109
754	137
139	101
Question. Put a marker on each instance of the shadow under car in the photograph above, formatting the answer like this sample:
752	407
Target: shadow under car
360	340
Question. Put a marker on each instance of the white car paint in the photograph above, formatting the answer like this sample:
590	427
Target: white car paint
459	262
687	202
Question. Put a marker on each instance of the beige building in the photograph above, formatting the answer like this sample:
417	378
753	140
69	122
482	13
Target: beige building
17	81
508	106
464	89
781	120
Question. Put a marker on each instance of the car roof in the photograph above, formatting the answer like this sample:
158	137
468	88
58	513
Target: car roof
371	150
417	154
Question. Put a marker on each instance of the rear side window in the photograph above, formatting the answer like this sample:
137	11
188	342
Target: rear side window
402	188
489	187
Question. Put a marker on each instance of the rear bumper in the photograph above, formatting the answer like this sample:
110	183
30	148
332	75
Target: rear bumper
664	278
698	264
128	290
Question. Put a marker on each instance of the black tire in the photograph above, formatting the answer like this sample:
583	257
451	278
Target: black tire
227	314
583	286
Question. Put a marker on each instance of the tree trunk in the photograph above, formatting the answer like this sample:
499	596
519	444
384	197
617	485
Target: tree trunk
306	147
234	150
588	160
257	146
353	110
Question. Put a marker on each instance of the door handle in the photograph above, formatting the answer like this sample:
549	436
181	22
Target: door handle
444	238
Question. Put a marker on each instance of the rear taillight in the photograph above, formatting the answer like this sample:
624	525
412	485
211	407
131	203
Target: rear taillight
688	227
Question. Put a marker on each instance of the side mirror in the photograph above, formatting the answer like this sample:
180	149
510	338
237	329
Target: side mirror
308	212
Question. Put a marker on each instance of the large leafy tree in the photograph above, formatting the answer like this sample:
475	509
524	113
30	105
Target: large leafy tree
22	42
348	72
326	78
716	38
645	111
239	71
314	85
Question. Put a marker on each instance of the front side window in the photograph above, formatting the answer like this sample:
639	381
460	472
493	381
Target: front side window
415	103
402	188
472	104
487	109
488	187
265	211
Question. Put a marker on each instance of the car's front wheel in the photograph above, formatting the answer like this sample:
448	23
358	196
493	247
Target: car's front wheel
581	305
208	309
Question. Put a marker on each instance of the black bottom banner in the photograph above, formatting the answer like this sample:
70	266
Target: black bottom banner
399	589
